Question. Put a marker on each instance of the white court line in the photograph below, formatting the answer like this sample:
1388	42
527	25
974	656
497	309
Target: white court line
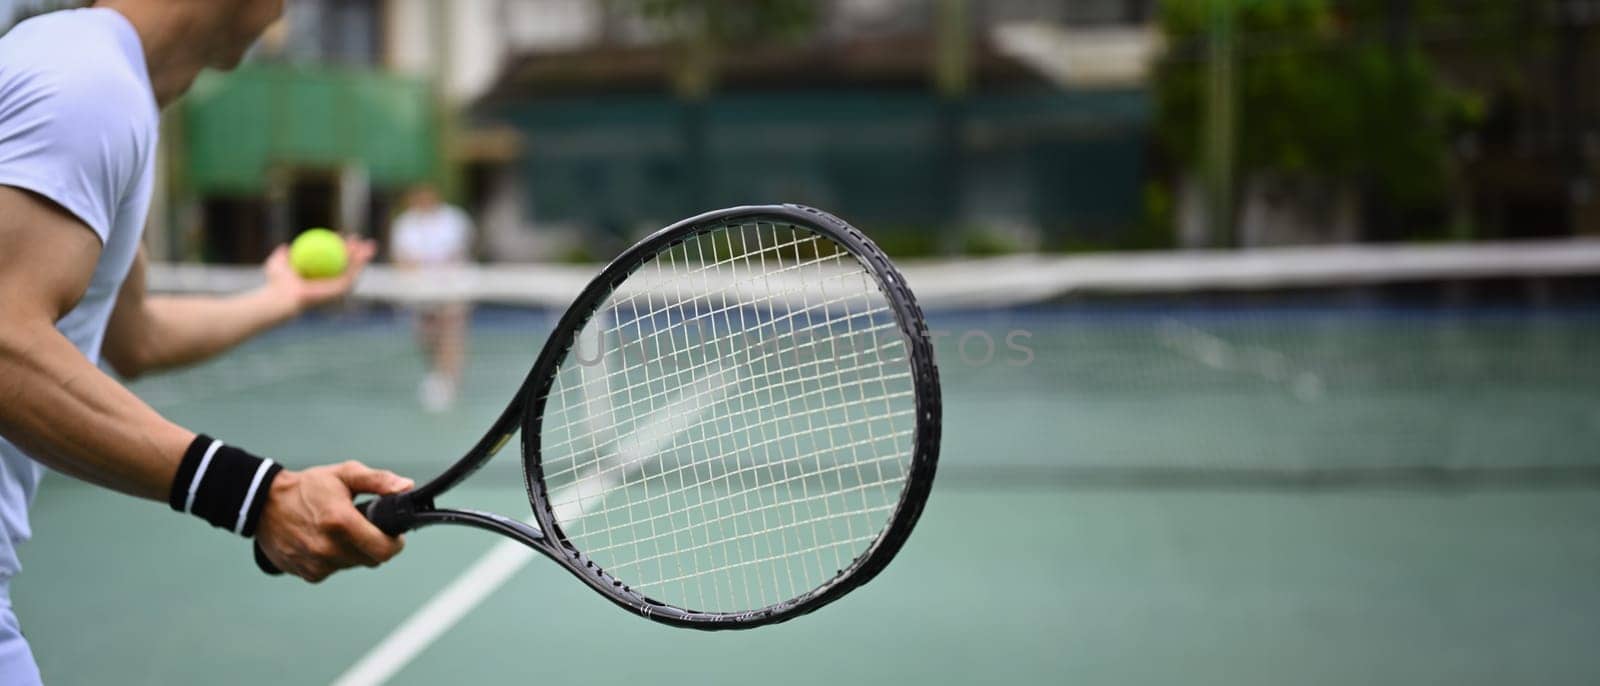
440	613
506	558
454	601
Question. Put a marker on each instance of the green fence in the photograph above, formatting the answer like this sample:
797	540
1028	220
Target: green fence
239	126
1068	162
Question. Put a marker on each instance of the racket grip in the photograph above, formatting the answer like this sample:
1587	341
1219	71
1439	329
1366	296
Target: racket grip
392	514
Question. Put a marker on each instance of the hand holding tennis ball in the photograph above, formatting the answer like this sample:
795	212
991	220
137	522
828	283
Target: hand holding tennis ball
319	267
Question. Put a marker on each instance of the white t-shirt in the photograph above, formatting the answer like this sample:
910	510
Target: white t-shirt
438	237
78	125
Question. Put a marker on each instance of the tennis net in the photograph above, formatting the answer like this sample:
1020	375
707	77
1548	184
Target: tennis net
1360	366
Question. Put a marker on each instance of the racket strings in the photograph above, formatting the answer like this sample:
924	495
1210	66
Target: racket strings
652	398
707	318
685	370
695	368
722	473
619	470
750	469
803	395
836	547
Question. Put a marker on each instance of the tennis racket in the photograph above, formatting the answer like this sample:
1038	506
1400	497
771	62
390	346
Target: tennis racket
735	424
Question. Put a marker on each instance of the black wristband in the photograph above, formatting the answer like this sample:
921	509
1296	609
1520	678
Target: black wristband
223	485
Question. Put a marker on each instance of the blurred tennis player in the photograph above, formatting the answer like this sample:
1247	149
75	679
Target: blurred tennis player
435	239
79	98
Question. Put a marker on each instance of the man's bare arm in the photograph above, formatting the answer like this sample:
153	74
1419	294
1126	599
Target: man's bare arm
66	413
53	402
155	332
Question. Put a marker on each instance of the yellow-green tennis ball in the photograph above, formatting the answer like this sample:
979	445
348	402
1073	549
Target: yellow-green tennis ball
318	254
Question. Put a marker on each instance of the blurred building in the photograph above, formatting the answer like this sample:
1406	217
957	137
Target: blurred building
568	126
1043	136
1028	115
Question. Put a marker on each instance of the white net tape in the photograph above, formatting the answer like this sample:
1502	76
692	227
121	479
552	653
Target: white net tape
733	427
1003	281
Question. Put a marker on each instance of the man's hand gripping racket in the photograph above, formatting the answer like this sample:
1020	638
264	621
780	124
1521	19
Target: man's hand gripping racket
736	423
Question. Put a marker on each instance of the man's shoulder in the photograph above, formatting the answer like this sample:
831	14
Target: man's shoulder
56	39
73	61
78	123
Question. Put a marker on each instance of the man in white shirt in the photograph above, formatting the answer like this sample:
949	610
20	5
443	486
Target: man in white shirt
80	92
434	238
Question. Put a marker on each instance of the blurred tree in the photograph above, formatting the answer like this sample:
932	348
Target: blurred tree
1326	94
953	66
703	29
730	21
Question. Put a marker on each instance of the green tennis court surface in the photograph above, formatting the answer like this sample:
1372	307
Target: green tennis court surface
1215	495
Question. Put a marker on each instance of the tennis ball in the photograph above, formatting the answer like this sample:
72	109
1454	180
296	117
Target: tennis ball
318	254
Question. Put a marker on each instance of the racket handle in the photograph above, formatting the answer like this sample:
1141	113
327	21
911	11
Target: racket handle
392	514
